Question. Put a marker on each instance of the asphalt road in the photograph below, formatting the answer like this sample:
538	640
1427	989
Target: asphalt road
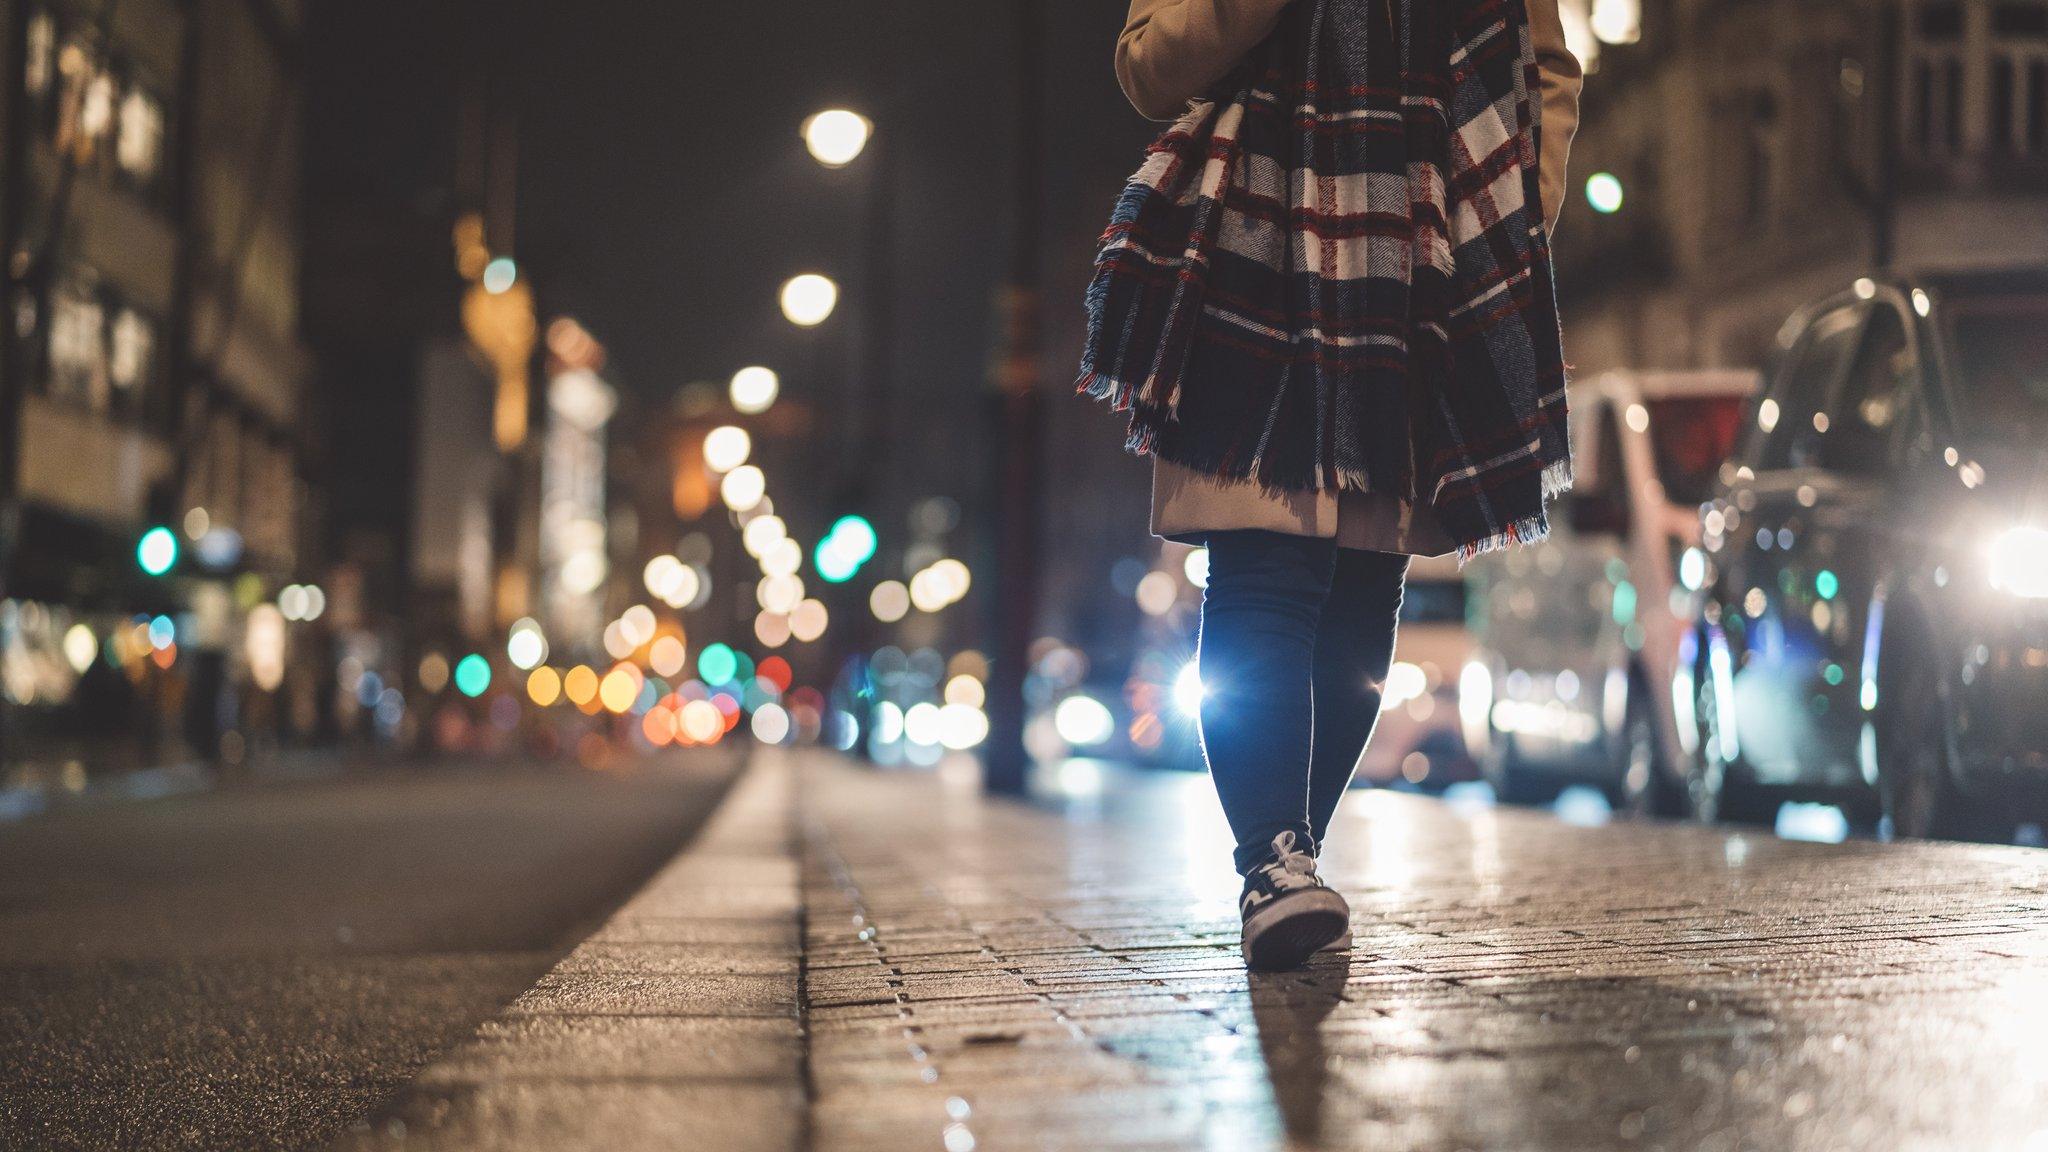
261	968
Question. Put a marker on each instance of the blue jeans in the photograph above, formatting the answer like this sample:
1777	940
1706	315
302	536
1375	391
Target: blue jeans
1297	637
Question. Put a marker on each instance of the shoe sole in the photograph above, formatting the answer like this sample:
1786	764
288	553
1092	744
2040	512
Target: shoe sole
1341	944
1286	932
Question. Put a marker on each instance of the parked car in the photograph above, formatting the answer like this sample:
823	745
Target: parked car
1419	741
1581	636
1874	624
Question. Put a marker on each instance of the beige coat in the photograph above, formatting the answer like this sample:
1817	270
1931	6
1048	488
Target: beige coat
1170	52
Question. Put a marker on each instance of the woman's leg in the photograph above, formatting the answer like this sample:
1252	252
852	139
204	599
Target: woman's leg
1260	616
1354	649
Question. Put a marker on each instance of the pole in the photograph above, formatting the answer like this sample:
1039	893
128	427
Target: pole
1884	209
1020	428
13	192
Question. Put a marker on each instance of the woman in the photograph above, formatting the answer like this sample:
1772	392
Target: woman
1325	301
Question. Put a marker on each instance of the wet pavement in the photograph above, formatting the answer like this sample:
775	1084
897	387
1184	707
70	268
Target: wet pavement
258	968
977	975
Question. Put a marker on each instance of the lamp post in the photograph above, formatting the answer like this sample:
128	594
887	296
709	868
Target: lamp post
1020	416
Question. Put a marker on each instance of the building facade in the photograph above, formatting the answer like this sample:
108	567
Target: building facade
154	378
1739	159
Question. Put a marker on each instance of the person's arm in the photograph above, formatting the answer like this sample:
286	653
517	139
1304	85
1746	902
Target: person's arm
1171	51
1562	78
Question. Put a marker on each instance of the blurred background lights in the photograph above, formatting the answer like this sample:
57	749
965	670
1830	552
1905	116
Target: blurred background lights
771	629
1156	594
965	689
743	487
500	275
80	647
580	685
1197	567
754	389
890	601
835	137
771	724
157	551
527	646
620	688
1083	721
726	447
783	558
197	523
637	624
263	642
763	533
433	672
941	584
1603	193
473	675
808	621
544	686
850	544
962	726
718	664
667	656
1617	21
780	594
807	300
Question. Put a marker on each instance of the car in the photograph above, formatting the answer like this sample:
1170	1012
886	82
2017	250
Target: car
1872	623
1579	637
1419	741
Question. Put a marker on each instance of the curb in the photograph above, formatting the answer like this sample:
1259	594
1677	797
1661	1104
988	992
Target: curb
675	1025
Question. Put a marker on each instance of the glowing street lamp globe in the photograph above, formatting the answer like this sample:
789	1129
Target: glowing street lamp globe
835	137
807	300
754	389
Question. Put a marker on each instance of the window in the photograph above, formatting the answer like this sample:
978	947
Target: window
2003	364
102	353
1805	381
1856	435
94	107
1995	51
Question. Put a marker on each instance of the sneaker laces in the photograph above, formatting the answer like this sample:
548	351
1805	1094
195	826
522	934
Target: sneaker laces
1290	867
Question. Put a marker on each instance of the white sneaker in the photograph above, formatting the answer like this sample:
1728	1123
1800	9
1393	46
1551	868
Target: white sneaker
1289	914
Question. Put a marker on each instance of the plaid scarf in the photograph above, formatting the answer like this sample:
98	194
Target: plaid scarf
1333	273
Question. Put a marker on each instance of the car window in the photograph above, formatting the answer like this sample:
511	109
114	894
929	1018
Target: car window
1854	434
1808	377
2003	361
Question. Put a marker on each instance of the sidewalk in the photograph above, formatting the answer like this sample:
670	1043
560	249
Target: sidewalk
850	960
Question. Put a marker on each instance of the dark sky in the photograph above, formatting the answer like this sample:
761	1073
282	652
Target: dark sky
664	193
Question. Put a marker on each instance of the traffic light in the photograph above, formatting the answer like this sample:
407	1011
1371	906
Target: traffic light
157	551
850	544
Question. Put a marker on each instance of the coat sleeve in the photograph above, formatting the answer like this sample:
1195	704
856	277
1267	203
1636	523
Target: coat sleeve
1562	78
1171	51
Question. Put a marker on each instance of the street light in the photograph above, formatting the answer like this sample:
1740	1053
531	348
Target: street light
836	136
754	389
808	299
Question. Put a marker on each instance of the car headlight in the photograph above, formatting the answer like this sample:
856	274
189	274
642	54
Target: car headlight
2019	562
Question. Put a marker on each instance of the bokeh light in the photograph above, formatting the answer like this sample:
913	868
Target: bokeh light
808	299
157	551
726	447
620	688
718	664
808	621
836	136
754	389
743	487
667	656
527	647
544	686
580	685
890	601
473	675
